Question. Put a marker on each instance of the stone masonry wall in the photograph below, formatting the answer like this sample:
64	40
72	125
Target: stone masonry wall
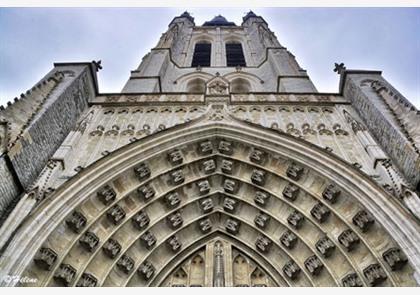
394	142
51	125
8	187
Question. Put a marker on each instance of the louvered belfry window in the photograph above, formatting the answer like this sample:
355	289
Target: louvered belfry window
235	55
202	53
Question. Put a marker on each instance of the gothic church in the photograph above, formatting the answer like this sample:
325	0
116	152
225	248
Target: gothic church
218	164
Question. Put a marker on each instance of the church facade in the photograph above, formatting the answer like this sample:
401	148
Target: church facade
218	164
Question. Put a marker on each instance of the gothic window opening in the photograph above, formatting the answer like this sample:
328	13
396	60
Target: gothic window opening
202	53
235	55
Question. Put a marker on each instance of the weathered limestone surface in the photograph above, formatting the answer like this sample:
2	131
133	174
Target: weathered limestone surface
39	122
384	124
51	125
211	176
9	189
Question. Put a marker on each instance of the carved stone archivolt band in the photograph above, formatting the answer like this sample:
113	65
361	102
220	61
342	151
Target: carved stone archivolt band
272	197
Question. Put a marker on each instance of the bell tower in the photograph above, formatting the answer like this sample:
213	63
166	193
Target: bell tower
248	54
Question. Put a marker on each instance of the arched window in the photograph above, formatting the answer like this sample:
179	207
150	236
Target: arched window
234	55
240	85
196	86
202	53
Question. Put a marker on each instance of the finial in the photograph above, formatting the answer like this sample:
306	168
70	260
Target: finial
97	65
339	68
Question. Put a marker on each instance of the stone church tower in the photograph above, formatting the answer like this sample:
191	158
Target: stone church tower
219	164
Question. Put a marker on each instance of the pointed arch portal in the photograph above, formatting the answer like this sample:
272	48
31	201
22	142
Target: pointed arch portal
217	204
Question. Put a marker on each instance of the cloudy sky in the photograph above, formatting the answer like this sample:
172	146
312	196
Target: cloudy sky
32	39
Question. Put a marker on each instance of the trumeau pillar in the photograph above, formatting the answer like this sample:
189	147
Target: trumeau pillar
384	111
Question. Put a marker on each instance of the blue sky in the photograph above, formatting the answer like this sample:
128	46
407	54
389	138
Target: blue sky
32	39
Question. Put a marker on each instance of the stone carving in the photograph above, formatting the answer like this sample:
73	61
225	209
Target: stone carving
320	212
294	171
77	221
98	132
295	219
322	129
205	225
374	274
177	177
205	147
216	112
87	280
348	239
261	198
306	129
65	275
206	205
111	248
351	280
208	166
258	177
232	226
218	87
146	270
203	187
331	193
227	166
146	192
291	270
140	220
356	126
291	192
45	258
288	239
125	263
230	186
395	258
172	200
107	195
263	244
339	68
290	128
314	265
262	220
219	265
116	214
175	220
148	240
258	157
175	157
325	246
89	241
363	220
142	172
225	147
174	244
229	204
339	131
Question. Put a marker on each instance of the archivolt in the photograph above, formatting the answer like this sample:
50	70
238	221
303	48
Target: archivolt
46	227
